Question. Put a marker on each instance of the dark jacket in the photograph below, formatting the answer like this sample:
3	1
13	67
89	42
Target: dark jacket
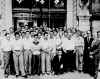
96	48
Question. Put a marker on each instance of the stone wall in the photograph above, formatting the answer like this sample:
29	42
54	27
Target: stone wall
6	14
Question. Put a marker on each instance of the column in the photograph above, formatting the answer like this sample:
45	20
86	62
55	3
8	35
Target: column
2	14
84	16
75	22
8	13
69	13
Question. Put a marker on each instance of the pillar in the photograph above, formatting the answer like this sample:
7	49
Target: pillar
84	17
75	21
8	13
69	13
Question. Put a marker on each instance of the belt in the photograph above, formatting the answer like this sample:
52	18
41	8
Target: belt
17	50
6	51
69	50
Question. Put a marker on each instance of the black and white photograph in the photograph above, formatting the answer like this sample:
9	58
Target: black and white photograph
49	39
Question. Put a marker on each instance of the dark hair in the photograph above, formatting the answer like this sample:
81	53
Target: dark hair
17	33
6	34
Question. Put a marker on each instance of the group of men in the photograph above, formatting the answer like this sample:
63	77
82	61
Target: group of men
44	53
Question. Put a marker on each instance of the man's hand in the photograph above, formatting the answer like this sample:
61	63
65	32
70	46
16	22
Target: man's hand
61	66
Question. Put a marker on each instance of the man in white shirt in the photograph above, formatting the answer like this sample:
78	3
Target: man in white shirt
36	55
68	48
27	43
45	55
17	48
79	48
6	49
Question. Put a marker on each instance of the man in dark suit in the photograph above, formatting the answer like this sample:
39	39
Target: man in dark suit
58	63
96	54
87	45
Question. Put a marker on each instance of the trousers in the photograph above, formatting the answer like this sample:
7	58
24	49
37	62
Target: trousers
27	61
79	58
18	62
45	62
6	58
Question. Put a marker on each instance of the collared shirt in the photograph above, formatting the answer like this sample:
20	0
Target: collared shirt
27	43
6	45
17	44
45	45
79	41
35	47
67	44
58	42
52	43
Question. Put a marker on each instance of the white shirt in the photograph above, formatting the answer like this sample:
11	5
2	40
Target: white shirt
58	42
27	43
79	41
35	48
53	45
45	45
67	44
6	45
17	44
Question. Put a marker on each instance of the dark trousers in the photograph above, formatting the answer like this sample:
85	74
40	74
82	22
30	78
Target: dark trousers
36	64
56	65
69	61
96	67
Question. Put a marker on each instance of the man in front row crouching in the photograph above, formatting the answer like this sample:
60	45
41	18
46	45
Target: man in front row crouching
18	55
58	62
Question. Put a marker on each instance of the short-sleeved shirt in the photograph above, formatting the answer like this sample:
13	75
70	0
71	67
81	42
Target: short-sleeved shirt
6	45
67	44
17	44
27	43
35	47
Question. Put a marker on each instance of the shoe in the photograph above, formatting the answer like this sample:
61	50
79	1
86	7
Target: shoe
25	76
6	75
17	76
48	73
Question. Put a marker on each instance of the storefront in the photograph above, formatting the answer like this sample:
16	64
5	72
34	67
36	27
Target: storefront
34	15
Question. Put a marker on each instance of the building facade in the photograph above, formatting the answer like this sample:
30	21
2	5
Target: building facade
80	14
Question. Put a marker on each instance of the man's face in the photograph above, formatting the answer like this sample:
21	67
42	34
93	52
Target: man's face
23	35
46	36
4	32
11	30
17	36
27	34
8	36
88	34
98	35
65	34
32	34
